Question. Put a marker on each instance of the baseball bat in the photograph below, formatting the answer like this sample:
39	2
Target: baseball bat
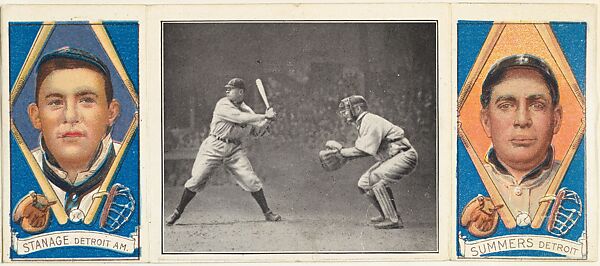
58	209
99	196
507	217
263	94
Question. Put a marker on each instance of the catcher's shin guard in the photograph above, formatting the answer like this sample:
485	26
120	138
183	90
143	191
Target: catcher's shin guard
372	199
387	205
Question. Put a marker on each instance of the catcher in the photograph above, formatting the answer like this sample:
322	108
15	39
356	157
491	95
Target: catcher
384	141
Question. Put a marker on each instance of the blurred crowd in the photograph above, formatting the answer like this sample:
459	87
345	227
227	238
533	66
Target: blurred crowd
308	114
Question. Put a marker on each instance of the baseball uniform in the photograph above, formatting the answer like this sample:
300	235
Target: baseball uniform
223	147
230	123
386	143
522	198
76	197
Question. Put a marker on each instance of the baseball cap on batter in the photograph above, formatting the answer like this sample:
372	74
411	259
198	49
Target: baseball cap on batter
236	83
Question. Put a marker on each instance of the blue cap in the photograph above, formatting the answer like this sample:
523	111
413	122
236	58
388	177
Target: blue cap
499	68
75	54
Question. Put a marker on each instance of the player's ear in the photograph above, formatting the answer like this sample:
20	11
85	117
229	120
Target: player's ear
114	109
484	117
34	115
557	118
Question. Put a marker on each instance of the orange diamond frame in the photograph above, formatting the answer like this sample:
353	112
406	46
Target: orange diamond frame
506	39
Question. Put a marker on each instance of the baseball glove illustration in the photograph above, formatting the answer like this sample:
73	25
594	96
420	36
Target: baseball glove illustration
118	208
480	216
33	213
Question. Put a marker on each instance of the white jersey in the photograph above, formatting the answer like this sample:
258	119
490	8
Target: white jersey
85	201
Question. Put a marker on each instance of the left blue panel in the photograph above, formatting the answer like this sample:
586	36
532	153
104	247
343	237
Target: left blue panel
74	147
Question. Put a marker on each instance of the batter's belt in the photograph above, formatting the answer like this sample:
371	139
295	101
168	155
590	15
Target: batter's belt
226	140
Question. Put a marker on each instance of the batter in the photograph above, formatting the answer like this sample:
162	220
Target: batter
232	120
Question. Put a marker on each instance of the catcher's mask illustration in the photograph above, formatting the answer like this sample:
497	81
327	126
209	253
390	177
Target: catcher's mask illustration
565	212
118	208
351	107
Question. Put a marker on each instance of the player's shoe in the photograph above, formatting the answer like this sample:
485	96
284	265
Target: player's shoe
387	224
272	217
377	219
173	218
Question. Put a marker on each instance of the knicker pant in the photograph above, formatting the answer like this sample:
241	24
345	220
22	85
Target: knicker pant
212	154
390	170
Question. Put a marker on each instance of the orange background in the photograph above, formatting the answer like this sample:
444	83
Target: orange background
519	39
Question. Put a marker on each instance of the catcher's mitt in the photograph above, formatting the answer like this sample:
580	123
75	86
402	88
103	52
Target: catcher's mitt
119	206
480	216
331	160
333	145
33	213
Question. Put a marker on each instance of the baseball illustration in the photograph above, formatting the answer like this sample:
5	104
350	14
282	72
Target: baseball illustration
523	219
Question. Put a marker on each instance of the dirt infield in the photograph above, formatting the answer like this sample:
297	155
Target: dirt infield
322	212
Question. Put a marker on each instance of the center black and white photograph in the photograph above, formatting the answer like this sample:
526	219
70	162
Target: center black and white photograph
300	137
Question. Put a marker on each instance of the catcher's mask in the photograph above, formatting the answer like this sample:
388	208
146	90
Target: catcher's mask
351	107
118	208
565	212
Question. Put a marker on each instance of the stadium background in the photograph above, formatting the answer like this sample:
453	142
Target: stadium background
307	68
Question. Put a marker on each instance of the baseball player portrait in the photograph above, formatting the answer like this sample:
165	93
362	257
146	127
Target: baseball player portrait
522	125
74	118
74	111
386	142
232	120
520	113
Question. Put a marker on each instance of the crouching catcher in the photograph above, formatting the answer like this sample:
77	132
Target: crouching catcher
384	141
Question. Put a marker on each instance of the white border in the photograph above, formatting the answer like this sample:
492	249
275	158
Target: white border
287	12
69	13
447	50
542	13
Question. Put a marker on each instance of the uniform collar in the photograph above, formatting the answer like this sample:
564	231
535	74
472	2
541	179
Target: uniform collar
492	160
359	119
101	156
234	103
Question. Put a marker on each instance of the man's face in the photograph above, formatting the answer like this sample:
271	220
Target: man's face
73	114
521	119
345	114
235	95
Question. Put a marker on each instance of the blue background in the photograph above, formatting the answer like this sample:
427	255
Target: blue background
124	37
76	36
572	40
